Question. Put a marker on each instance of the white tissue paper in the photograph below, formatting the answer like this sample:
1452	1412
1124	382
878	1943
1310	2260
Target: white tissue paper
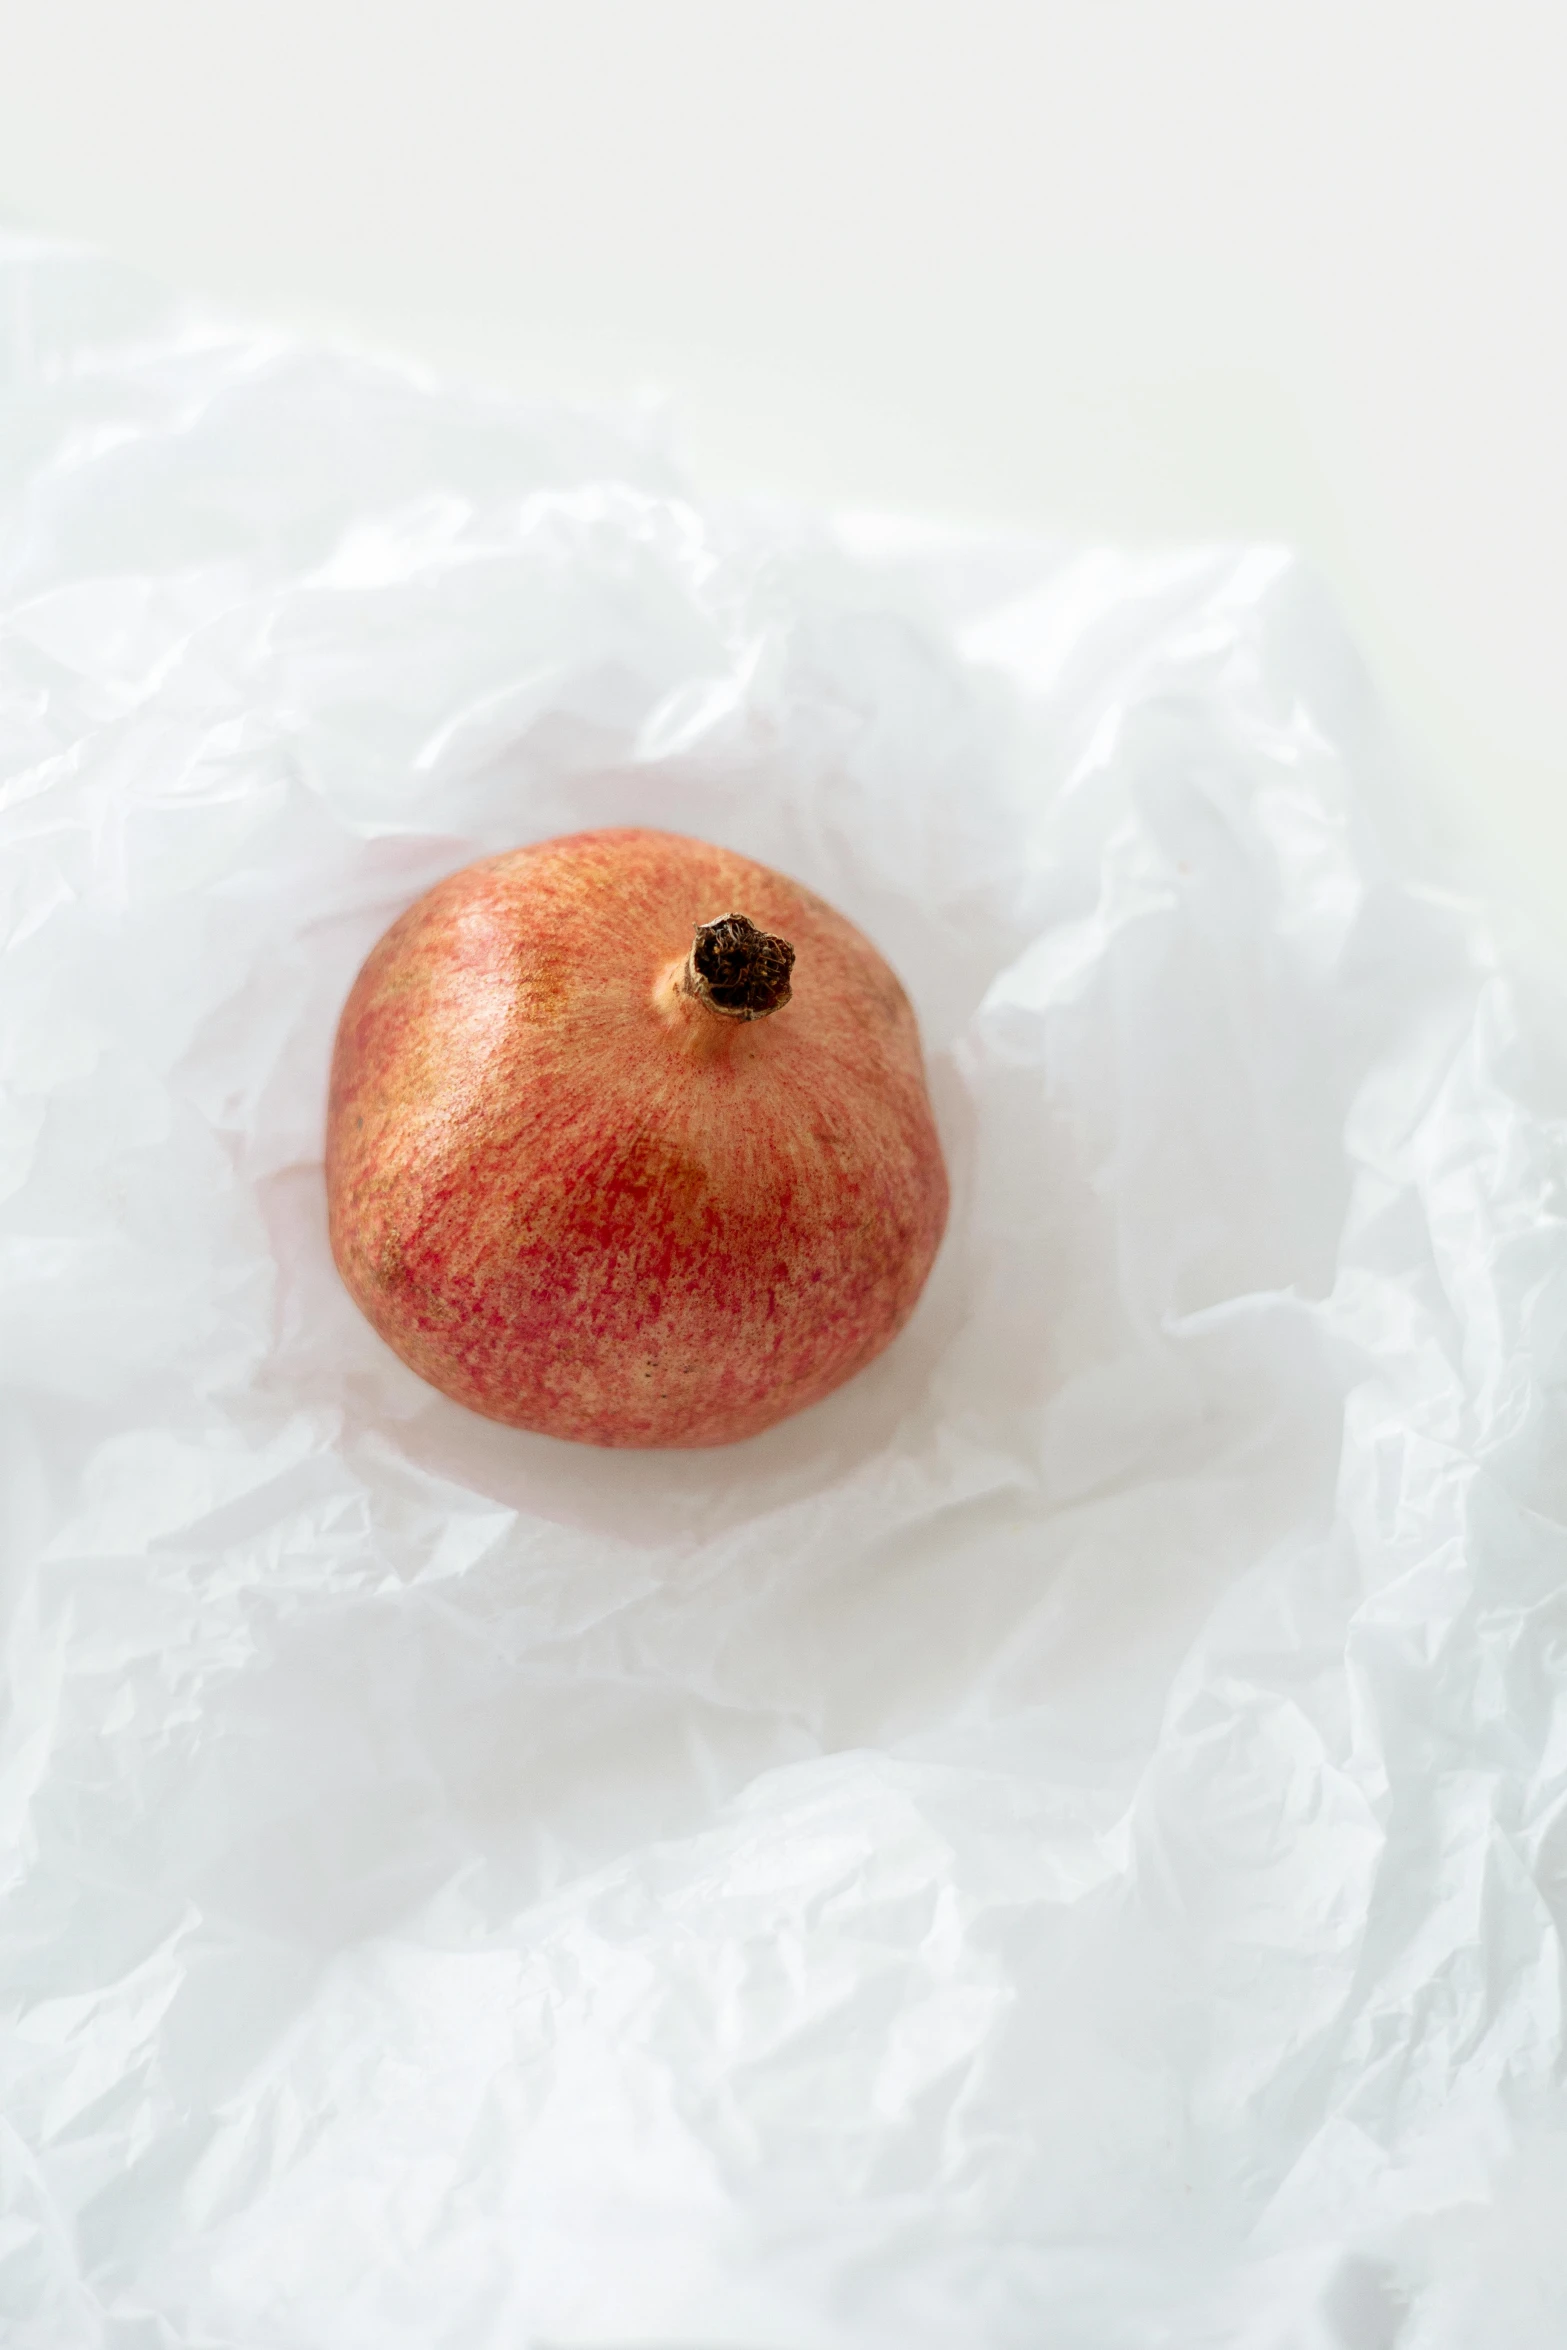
1064	1844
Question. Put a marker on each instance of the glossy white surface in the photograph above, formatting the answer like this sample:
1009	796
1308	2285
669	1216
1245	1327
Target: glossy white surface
1061	1844
1121	268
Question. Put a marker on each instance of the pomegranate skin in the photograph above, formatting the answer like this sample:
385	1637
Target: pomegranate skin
576	1198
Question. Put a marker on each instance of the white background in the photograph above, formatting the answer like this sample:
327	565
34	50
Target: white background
1123	268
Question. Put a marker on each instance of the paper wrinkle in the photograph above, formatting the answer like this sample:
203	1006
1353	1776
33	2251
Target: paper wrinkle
1064	1841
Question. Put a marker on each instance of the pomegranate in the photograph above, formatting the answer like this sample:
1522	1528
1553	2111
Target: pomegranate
629	1142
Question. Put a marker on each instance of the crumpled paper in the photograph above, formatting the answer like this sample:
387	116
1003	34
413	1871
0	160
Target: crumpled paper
1064	1843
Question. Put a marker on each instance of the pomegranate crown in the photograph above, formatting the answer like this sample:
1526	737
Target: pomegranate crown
738	970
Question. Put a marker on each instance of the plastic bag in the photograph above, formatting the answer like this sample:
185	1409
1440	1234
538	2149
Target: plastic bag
1062	1843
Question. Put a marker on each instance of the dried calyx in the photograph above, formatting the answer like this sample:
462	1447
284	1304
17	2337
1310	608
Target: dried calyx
738	970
